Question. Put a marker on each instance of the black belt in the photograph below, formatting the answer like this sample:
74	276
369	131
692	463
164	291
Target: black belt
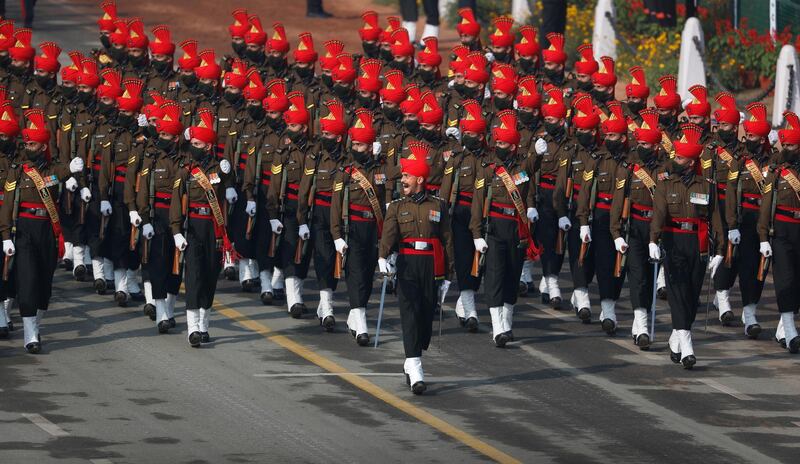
39	212
201	211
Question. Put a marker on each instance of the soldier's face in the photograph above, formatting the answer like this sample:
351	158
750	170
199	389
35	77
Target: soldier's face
583	77
726	126
411	184
274	114
466	39
108	101
553	66
701	121
689	162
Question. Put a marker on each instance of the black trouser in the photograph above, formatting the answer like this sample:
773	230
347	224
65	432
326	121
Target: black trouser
503	261
546	233
786	265
161	254
685	270
263	235
93	221
324	250
34	264
71	227
554	19
362	254
288	245
118	236
746	261
725	276
203	263
237	228
408	10
582	276
463	249
639	268
605	256
416	295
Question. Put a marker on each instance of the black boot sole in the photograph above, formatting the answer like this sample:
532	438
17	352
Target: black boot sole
194	339
727	317
329	323
297	311
472	325
418	388
585	315
674	357
753	331
794	345
163	327
33	348
643	342
266	298
689	362
609	327
501	340
362	340
555	303
150	311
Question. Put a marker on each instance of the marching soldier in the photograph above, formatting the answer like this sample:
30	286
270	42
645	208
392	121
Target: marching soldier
6	42
187	80
20	69
327	63
277	50
550	149
43	91
430	131
369	33
584	69
137	64
745	188
314	207
499	223
469	30
390	129
237	31
427	73
418	227
603	175
636	94
554	58
161	76
198	225
631	213
265	140
356	218
604	81
575	164
29	211
9	161
402	53
255	39
501	41
779	223
687	223
240	112
528	62
459	183
302	78
155	181
288	168
122	148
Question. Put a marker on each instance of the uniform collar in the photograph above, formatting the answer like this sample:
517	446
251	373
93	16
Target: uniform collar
419	197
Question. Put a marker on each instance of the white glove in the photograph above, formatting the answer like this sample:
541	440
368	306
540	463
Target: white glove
734	236
772	137
135	218
71	184
443	288
586	234
303	232
141	120
564	223
376	148
533	214
540	146
391	263
341	245
765	249
180	242
686	103
105	208
655	252
383	266
713	264
8	247
225	166
451	83
76	165
86	195
276	226
453	132
230	195
147	231
187	134
489	56
621	245
480	245
250	209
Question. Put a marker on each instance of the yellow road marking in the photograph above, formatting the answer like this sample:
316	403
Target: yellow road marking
367	386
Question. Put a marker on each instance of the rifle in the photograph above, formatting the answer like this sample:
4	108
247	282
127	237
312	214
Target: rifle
178	258
275	240
619	264
341	258
248	234
478	258
302	245
763	265
151	193
592	201
454	190
730	252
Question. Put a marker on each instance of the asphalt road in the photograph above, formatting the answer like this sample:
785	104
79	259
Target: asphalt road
108	388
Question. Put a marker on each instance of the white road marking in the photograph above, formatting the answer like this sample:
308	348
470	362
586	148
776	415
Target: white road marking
725	389
46	425
796	423
100	461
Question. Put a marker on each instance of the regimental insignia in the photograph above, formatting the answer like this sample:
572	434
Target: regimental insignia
588	175
177	183
132	160
309	172
10	186
563	162
706	164
380	179
448	171
479	184
277	168
620	184
337	186
733	175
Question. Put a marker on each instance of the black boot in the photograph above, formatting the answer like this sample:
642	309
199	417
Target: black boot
418	388
689	362
585	315
362	339
266	298
329	323
609	326
79	272
471	325
163	327
150	311
194	339
297	310
121	298
501	340
100	286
